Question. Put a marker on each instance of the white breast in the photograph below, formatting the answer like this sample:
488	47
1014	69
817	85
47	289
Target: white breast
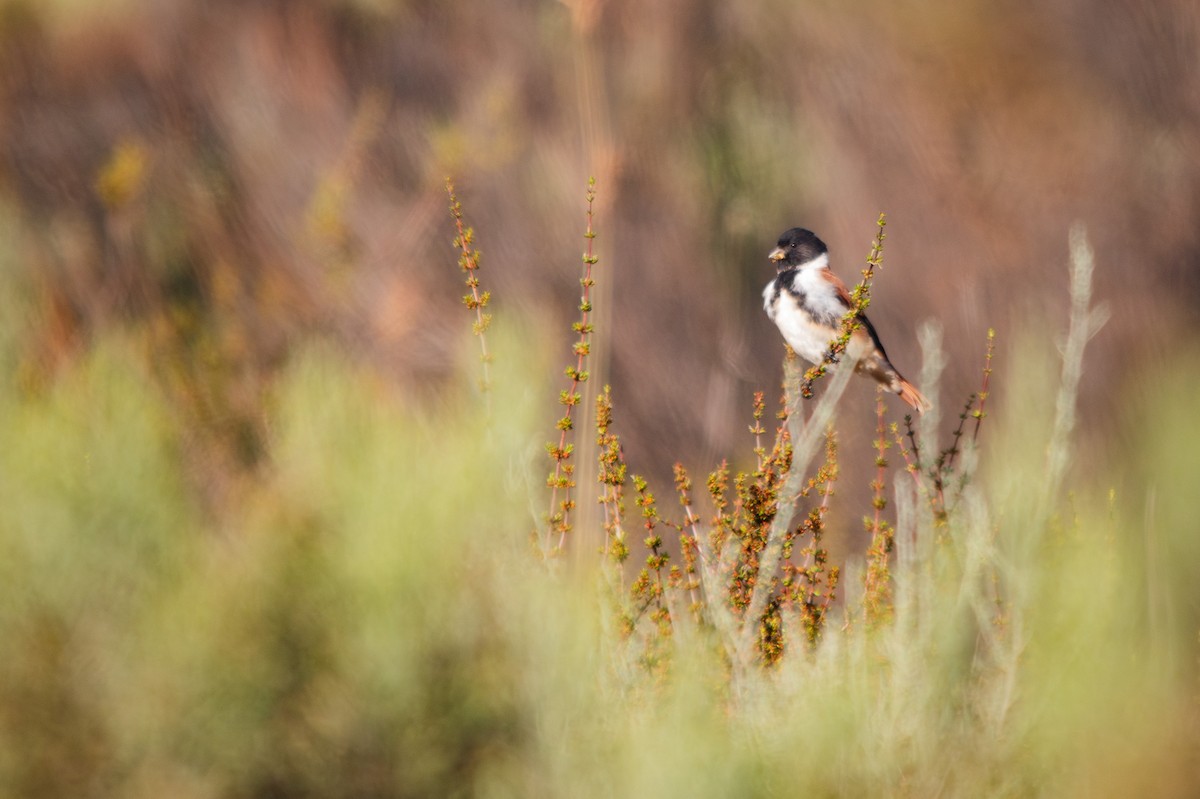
809	328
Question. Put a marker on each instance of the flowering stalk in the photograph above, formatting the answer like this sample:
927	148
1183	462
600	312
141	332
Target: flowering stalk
562	478
477	300
689	542
987	374
877	591
757	428
649	588
611	476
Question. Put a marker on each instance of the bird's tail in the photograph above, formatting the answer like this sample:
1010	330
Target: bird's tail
909	393
878	367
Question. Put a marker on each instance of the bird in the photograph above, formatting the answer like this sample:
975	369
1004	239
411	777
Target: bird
807	301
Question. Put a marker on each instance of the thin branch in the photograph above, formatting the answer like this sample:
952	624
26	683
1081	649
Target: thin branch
807	437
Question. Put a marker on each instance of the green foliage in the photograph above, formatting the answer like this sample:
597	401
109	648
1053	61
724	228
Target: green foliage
361	616
366	621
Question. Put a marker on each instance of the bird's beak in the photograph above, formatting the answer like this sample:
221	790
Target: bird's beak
777	254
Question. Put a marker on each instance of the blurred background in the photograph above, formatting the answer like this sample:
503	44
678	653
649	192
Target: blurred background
227	177
254	538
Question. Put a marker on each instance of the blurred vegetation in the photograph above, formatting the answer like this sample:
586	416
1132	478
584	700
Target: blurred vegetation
364	617
257	537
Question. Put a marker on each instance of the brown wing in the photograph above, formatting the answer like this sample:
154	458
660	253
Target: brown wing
844	295
878	365
840	287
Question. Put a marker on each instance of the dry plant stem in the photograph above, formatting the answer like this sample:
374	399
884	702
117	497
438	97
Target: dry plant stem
930	337
877	567
657	559
689	536
690	522
937	473
877	595
560	510
912	465
808	559
757	428
987	376
806	436
933	361
1084	324
714	583
943	466
824	508
946	460
877	500
611	475
477	300
722	549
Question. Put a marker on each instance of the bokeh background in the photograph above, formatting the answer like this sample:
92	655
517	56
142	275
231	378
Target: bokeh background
227	177
257	538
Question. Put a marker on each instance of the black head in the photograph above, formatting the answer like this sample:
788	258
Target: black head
797	247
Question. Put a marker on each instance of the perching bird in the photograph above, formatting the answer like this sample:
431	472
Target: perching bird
806	301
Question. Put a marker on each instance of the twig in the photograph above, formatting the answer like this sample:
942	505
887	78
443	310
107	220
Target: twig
559	517
477	300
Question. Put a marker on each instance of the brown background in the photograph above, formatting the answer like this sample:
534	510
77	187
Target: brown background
226	178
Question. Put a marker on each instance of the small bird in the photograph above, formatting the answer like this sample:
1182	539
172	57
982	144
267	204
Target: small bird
806	301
